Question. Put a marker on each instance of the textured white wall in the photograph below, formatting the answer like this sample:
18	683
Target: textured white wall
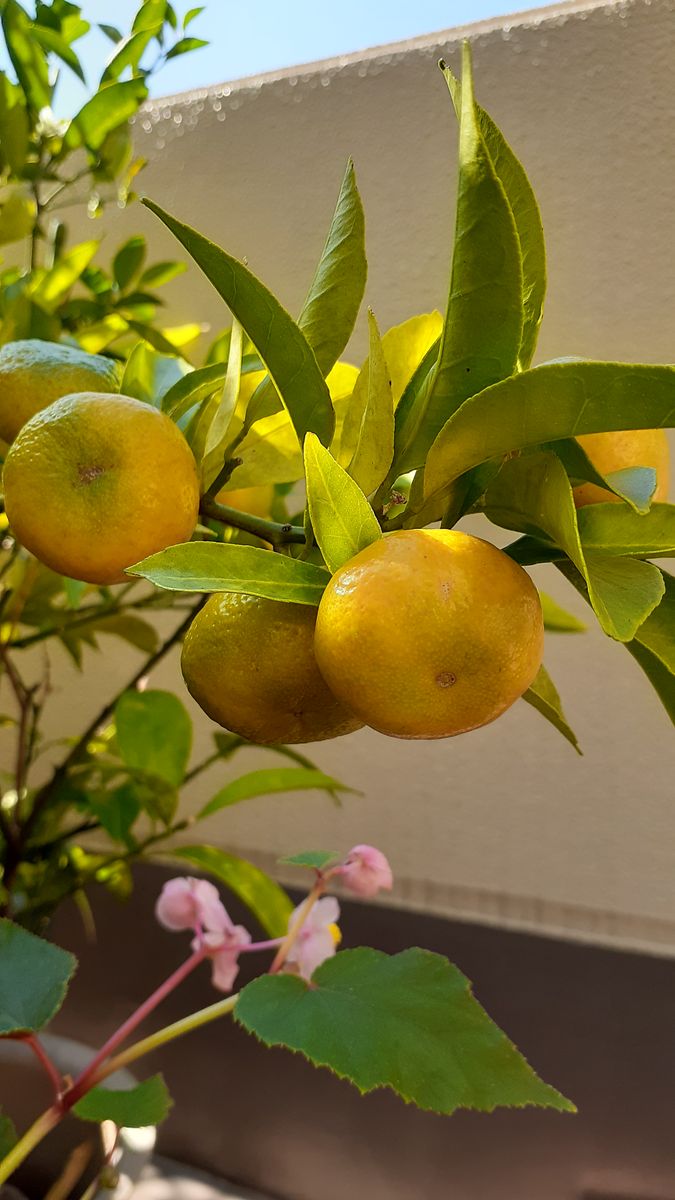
505	824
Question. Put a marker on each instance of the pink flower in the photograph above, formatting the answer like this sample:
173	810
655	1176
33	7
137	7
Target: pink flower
190	904
224	951
318	938
365	871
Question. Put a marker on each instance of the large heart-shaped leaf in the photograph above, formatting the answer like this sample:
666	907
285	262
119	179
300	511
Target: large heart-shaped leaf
34	977
408	1022
280	343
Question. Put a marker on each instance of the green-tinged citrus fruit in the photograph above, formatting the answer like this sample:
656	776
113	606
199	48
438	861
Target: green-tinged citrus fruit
249	663
34	373
86	485
429	633
615	452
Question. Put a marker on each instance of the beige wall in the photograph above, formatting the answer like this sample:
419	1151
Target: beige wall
506	823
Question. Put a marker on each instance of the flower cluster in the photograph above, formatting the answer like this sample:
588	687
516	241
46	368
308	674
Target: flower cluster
313	931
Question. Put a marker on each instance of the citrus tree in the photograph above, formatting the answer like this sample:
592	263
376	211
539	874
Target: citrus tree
355	600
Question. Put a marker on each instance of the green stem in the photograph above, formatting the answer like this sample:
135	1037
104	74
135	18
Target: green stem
32	1138
269	531
186	1025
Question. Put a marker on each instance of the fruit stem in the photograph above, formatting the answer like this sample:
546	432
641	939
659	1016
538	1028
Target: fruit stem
269	531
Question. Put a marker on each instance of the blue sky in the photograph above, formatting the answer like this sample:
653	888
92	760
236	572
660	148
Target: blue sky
248	36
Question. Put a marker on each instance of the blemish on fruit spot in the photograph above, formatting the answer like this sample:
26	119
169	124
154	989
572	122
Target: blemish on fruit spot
446	679
89	474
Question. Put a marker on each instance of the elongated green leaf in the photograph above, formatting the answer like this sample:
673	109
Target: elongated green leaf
407	1022
267	781
484	320
160	273
557	619
13	126
617	529
27	56
334	298
635	485
546	403
219	429
128	261
146	1104
192	389
374	448
533	495
342	519
653	646
266	900
335	294
53	43
154	734
8	1135
34	977
316	860
128	53
543	695
107	109
65	273
281	344
207	567
185	46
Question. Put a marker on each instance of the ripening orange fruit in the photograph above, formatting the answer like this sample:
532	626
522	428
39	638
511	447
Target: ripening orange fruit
618	450
33	374
428	633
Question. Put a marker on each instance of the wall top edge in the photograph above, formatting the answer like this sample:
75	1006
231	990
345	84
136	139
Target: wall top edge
545	17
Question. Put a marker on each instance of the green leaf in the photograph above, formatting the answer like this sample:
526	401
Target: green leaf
150	376
54	43
27	56
132	1108
219	429
533	494
267	781
116	810
154	734
342	518
34	977
65	273
185	46
559	400
484	320
115	35
374	447
315	859
543	695
128	53
280	343
130	628
334	298
194	387
209	567
617	529
13	126
150	14
635	485
105	111
407	1022
17	217
160	273
266	900
8	1136
557	619
653	646
190	16
128	261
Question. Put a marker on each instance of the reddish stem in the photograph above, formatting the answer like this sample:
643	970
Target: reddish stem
42	1056
86	1078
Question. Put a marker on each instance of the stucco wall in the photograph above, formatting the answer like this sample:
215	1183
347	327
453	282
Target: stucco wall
506	824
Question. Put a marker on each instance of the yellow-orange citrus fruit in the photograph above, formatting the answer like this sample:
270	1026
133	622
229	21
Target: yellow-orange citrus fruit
615	452
255	500
429	633
34	373
249	663
85	485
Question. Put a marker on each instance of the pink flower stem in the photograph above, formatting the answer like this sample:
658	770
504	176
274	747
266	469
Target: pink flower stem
272	944
294	932
86	1079
42	1057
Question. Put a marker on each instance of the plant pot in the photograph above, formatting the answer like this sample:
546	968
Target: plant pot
25	1093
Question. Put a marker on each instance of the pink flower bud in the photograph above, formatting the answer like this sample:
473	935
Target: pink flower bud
318	939
188	903
366	871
